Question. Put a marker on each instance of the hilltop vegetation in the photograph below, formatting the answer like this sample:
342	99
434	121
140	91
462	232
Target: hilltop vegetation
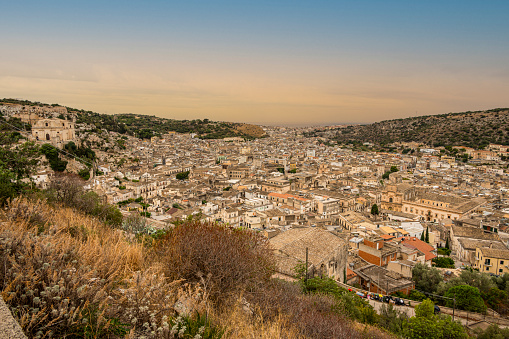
146	126
470	129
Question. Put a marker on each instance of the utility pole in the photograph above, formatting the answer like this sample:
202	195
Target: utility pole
306	279
453	307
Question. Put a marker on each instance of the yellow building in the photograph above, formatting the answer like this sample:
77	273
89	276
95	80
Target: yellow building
490	260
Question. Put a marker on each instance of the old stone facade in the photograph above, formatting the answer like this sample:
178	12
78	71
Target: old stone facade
54	131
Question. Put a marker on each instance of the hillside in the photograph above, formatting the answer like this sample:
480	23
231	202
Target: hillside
471	129
69	275
145	126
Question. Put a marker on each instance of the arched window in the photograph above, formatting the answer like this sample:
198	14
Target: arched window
47	136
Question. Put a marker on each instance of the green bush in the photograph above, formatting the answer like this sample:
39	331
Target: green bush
444	251
84	173
467	298
416	295
443	262
182	175
493	332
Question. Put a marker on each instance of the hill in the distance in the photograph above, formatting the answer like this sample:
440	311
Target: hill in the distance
146	126
471	129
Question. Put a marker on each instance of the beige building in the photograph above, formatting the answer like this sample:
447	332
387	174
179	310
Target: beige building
394	196
54	131
490	260
435	207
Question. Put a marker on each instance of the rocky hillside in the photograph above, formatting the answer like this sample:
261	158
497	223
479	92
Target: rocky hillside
145	126
471	129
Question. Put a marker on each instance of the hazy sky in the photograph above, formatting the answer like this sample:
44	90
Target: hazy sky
277	62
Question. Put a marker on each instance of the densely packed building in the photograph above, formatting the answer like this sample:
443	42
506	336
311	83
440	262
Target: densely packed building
304	195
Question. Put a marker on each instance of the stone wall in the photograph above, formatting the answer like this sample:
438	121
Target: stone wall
9	328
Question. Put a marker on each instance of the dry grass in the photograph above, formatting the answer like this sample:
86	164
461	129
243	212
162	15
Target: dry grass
65	274
59	267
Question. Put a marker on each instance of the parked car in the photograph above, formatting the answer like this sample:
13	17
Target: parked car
399	301
387	298
437	309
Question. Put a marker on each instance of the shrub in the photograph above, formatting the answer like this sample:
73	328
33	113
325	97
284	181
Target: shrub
492	332
67	189
60	281
416	295
467	298
425	309
84	173
392	319
230	259
444	251
443	262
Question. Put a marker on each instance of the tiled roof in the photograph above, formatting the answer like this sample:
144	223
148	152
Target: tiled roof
413	242
291	246
495	253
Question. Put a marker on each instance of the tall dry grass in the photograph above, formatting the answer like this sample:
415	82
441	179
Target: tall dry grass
64	273
68	275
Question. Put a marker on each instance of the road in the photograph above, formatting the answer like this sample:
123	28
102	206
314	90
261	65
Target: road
410	311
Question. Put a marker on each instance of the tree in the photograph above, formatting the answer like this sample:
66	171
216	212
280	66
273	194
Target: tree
17	162
51	153
391	319
426	324
374	209
427	235
493	332
443	262
425	309
467	298
394	169
447	244
422	236
426	278
183	175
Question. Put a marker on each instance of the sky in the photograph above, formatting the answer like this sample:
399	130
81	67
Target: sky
265	62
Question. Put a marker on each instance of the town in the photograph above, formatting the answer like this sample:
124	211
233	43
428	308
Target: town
365	219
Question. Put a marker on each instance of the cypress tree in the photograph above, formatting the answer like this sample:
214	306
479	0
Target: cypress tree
447	243
422	236
427	235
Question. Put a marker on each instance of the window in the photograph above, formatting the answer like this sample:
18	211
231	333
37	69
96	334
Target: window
487	268
501	262
500	271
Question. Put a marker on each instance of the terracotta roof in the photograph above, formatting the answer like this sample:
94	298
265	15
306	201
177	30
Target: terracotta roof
420	245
